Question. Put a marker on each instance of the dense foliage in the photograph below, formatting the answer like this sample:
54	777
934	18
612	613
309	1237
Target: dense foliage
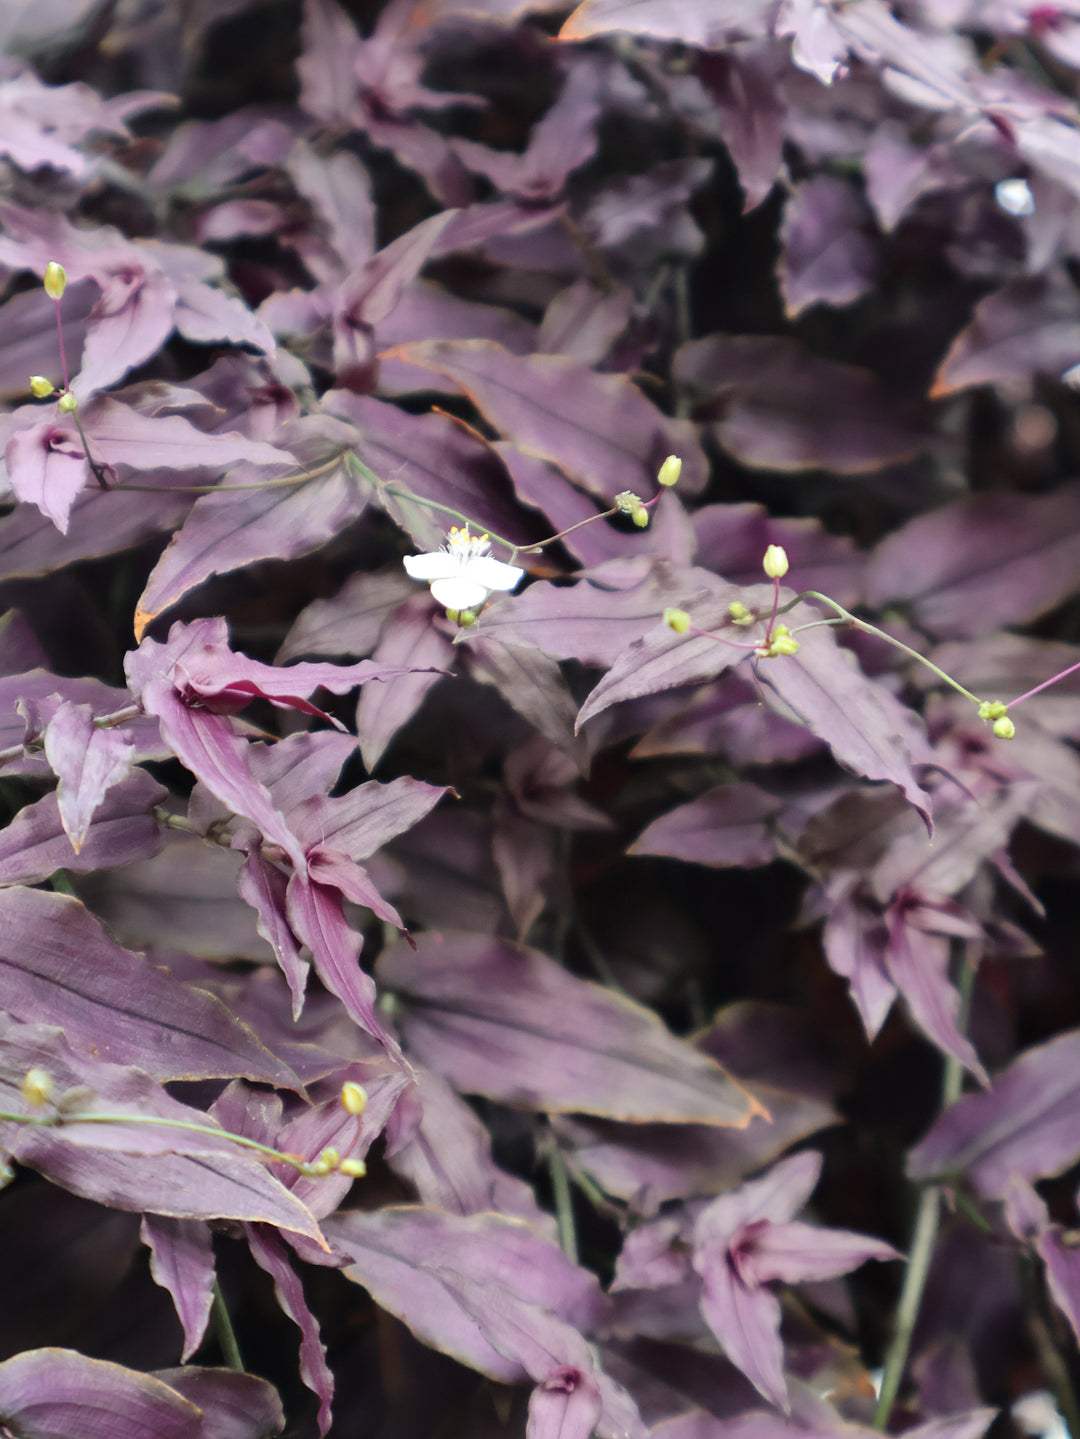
546	989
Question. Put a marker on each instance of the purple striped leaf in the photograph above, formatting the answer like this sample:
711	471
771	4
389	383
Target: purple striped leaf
182	1261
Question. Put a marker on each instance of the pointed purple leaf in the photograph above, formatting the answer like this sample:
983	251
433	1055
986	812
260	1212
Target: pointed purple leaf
746	1321
567	1405
123	829
234	1405
88	761
182	1261
56	1393
270	1254
728	825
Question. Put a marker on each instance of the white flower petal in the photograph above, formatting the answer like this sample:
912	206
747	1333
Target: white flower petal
437	565
493	574
459	593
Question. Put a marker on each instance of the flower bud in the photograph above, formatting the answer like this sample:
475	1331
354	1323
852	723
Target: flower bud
640	517
626	502
37	1087
992	709
353	1097
740	615
1004	727
40	387
782	643
670	471
466	619
677	620
67	403
775	563
55	280
352	1168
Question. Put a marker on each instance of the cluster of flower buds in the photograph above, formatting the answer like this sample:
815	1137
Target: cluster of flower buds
996	711
331	1162
627	503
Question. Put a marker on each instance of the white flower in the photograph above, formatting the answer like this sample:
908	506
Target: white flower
463	573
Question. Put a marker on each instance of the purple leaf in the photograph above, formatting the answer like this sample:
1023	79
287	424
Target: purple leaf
599	429
182	1261
445	1154
728	825
88	761
567	1405
532	683
317	918
56	959
505	1021
226	531
828	254
1026	1124
123	829
56	1393
784	408
421	654
234	1405
47	467
583	322
800	1253
868	730
1029	327
731	539
747	93
361	822
265	888
687	21
856	941
270	1254
129	441
983	561
746	1321
350	622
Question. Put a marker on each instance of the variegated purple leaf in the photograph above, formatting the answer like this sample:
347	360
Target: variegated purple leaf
88	761
505	1021
57	960
182	1261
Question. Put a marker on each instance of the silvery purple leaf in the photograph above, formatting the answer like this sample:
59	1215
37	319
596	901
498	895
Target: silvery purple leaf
87	760
746	1321
583	322
264	886
505	1021
1029	1221
599	429
829	255
234	1405
982	561
436	1143
532	683
270	1254
46	466
802	1253
20	649
182	1261
123	829
524	854
728	825
1024	1125
57	960
331	869
567	1405
731	539
856	941
55	1393
360	822
776	1197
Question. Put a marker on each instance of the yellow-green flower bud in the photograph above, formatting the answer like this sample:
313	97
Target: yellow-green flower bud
677	620
670	471
67	403
37	1087
782	643
640	517
992	709
40	387
352	1168
1004	727
353	1097
775	563
740	615
55	280
626	502
466	619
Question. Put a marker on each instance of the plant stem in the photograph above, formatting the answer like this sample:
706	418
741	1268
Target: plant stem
564	1201
927	1221
63	352
224	1331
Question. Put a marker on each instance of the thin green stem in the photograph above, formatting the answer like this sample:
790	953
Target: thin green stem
224	1331
927	1221
564	1201
870	629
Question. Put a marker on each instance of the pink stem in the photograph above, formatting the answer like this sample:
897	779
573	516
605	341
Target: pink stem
1045	685
63	353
